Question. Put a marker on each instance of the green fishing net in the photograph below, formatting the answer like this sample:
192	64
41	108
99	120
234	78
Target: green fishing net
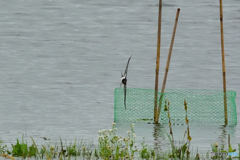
205	107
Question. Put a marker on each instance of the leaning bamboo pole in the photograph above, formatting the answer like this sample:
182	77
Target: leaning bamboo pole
223	64
157	58
167	65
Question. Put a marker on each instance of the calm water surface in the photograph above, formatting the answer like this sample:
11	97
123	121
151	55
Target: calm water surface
61	61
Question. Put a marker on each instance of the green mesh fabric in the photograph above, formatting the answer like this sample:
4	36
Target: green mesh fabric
205	107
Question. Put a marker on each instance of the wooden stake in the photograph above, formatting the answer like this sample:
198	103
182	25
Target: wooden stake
157	58
229	141
223	64
167	65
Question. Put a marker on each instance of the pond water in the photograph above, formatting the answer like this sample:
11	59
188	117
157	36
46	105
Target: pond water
61	61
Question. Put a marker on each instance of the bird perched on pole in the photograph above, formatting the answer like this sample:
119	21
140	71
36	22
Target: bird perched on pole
124	81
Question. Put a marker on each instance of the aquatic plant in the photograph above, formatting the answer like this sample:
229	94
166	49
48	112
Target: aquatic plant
22	149
3	148
221	149
181	151
4	151
110	145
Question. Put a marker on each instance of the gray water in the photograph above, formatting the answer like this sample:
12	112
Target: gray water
61	61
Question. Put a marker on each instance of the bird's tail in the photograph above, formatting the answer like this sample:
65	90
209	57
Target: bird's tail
125	94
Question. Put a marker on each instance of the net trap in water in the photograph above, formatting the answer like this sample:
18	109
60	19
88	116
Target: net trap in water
205	107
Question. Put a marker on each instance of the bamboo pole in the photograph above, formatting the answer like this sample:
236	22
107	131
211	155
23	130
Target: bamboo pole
229	141
158	58
168	63
223	64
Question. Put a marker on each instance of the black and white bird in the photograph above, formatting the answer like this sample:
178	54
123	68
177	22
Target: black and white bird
124	81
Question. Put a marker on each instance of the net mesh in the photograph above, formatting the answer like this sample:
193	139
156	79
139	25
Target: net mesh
204	106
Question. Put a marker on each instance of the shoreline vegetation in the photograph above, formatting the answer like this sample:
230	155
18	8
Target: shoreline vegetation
110	146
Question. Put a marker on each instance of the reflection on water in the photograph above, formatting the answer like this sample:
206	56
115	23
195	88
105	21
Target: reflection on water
223	136
156	135
211	134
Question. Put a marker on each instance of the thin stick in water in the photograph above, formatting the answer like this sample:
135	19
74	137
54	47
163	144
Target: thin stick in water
223	64
167	65
157	58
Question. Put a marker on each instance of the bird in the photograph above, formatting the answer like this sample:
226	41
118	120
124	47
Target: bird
124	81
45	138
